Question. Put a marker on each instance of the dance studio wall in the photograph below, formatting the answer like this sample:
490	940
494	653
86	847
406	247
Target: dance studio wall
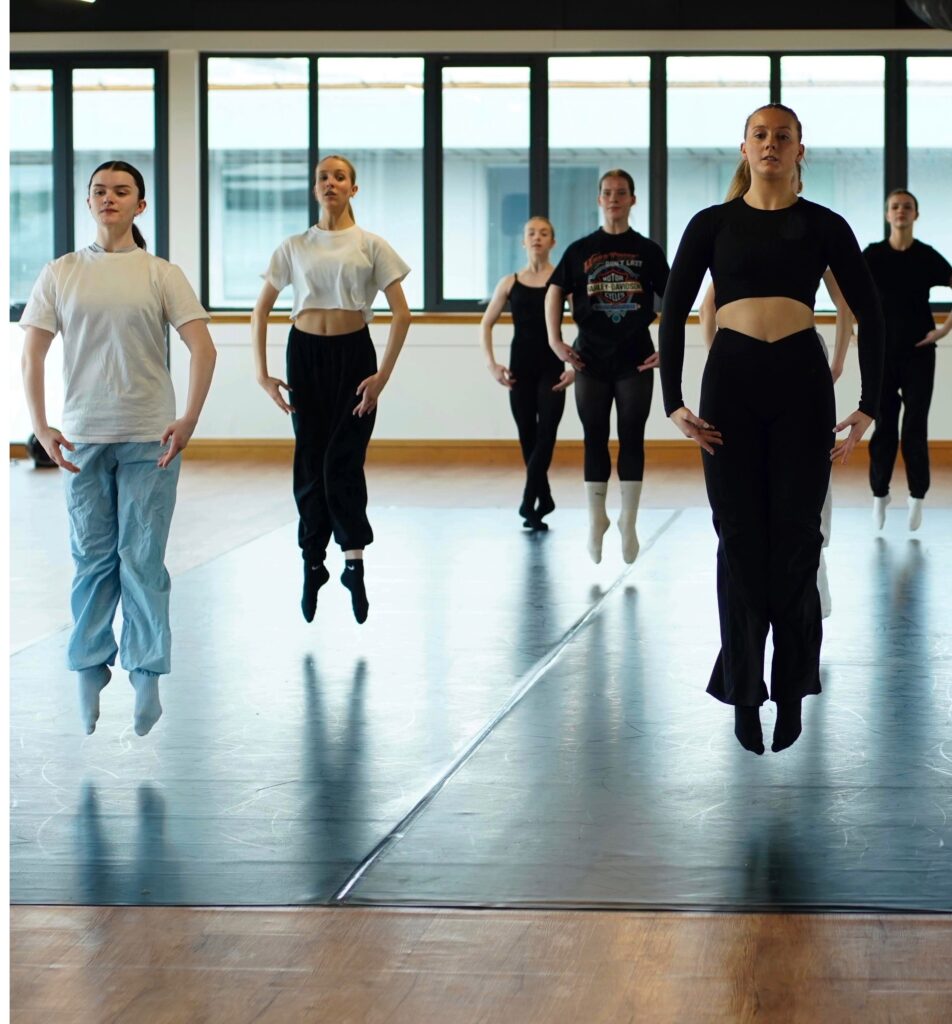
440	389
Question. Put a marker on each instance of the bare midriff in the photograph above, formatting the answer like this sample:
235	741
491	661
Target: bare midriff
329	322
767	318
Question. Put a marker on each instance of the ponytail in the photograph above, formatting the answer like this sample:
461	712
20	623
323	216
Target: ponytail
137	238
740	182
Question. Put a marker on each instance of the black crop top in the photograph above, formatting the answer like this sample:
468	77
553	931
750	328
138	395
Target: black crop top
761	253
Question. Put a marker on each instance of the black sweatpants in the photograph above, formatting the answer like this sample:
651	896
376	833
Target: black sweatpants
773	403
537	410
330	442
908	378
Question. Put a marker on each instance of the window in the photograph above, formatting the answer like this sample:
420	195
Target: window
113	119
370	110
259	180
31	180
840	101
930	152
485	176
598	120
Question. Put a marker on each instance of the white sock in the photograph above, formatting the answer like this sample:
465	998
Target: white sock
823	585
630	496
91	682
148	709
598	521
915	513
879	511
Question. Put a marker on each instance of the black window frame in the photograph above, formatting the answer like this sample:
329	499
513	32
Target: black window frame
62	64
894	135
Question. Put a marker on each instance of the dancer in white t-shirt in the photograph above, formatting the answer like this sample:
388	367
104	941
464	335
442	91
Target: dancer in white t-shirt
336	269
111	303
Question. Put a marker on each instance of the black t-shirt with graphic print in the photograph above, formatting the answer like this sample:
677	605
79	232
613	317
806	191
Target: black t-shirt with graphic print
613	281
903	278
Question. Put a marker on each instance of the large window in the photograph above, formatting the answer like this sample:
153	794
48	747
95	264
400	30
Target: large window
31	179
113	119
709	101
930	152
370	110
841	103
258	174
485	176
598	121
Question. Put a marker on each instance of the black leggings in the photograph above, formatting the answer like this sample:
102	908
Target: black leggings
907	381
632	398
773	403
537	410
330	443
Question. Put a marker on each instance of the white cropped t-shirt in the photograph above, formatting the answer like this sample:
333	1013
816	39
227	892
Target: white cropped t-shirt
335	269
112	309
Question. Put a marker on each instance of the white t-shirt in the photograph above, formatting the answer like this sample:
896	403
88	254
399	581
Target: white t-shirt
335	269
111	309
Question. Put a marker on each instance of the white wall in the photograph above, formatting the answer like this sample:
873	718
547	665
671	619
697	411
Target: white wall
440	389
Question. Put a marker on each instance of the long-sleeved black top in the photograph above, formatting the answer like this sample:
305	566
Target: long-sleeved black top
753	252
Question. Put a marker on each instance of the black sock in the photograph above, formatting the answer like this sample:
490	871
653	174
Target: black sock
353	579
788	726
315	576
747	728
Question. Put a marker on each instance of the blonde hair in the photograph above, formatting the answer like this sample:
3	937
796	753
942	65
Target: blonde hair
351	170
740	182
545	220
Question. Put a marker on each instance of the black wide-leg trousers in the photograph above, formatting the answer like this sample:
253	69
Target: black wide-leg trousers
330	441
773	403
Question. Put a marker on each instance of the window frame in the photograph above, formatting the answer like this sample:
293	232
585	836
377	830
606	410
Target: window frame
62	65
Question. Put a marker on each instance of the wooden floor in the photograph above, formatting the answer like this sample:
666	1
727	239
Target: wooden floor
191	965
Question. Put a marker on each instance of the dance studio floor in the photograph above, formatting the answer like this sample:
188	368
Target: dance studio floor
513	727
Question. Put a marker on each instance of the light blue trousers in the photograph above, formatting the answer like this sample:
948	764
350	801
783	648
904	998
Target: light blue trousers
120	510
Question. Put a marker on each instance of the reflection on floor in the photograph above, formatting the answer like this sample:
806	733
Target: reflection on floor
513	726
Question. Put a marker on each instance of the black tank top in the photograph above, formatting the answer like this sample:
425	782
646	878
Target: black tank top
530	340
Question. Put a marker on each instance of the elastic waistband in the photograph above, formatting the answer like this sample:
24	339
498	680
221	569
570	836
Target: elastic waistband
336	339
735	338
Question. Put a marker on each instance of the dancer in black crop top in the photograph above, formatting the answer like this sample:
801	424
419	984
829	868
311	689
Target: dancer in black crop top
904	270
766	423
535	377
612	278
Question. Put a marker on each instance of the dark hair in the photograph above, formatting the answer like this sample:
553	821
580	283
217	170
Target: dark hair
740	183
121	165
903	192
617	172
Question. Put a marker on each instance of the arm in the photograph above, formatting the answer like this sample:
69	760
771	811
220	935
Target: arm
940	332
201	365
706	315
844	325
493	310
856	283
33	362
369	389
554	303
267	297
687	274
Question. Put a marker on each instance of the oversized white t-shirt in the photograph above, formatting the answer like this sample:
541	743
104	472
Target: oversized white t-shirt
335	269
111	309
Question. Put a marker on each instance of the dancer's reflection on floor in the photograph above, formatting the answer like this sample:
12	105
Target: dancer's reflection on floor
115	868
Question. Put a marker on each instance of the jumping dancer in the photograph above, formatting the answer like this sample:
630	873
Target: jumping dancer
904	270
611	277
535	377
843	332
336	269
111	302
767	414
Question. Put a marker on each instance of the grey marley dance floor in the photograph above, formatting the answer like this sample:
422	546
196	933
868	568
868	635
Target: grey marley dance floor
512	727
